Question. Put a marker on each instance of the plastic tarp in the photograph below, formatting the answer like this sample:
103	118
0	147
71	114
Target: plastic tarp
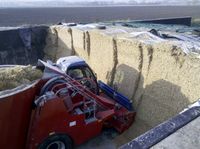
188	43
25	34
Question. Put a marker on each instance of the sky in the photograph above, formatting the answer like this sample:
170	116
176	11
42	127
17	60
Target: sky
5	3
62	0
146	1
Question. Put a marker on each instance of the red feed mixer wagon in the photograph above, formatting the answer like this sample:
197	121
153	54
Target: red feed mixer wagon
63	109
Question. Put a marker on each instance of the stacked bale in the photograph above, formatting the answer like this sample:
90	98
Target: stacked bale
59	43
81	43
128	67
102	55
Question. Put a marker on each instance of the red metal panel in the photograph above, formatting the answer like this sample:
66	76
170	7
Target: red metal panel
54	118
15	111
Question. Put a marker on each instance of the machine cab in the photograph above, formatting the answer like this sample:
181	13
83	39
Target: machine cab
79	70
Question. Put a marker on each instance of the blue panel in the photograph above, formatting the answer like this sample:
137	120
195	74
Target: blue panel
119	98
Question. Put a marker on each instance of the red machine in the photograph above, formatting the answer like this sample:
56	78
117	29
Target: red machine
68	111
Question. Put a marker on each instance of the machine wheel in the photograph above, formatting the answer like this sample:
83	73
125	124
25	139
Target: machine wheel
56	142
49	84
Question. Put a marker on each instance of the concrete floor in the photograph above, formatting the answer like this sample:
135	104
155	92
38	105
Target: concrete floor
103	141
188	137
185	138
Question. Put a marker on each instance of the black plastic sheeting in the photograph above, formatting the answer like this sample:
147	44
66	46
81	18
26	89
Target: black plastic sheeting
163	130
25	35
176	21
22	45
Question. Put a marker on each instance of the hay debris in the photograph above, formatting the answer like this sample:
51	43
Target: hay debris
12	77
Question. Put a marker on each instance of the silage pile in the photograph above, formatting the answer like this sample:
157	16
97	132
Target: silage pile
12	77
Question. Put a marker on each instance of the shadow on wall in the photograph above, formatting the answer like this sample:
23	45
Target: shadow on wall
165	97
160	101
128	81
159	98
87	42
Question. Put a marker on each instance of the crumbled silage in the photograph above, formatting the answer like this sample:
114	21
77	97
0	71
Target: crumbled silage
11	77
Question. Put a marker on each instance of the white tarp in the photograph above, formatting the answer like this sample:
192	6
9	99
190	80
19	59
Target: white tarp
188	43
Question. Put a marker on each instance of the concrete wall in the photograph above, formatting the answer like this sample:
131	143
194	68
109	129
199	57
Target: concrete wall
159	78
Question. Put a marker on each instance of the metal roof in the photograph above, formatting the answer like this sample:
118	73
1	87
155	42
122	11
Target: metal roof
71	61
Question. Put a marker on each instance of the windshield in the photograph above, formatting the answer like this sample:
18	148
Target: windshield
79	73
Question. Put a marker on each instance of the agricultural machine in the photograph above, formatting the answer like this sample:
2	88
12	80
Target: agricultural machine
68	106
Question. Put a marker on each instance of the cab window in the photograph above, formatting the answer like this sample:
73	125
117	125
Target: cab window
78	73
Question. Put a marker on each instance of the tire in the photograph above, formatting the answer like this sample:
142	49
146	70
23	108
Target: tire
58	141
